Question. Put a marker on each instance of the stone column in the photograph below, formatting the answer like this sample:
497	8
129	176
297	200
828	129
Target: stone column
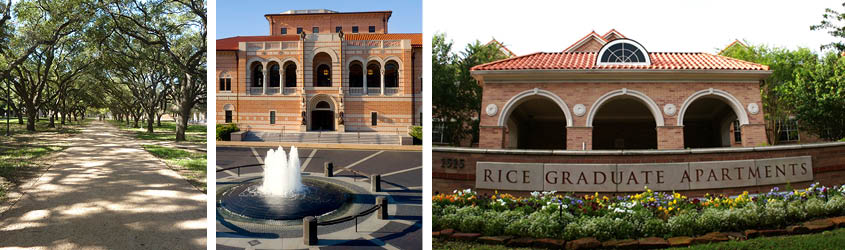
281	81
264	83
381	73
366	91
670	137
579	138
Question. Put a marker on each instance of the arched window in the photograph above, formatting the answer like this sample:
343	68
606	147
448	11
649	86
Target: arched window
274	76
391	75
324	76
323	105
290	75
257	75
356	75
623	51
373	74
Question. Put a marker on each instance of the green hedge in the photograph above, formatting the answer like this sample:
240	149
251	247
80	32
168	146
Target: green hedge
224	131
416	132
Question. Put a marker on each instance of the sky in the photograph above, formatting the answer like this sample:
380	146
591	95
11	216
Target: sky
528	26
246	18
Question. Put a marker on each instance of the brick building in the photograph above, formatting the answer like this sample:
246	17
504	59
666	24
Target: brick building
609	92
321	70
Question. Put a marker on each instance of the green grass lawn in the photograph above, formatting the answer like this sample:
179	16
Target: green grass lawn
165	132
190	165
833	239
19	154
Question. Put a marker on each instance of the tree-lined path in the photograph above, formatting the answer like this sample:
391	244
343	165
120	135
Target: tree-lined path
105	192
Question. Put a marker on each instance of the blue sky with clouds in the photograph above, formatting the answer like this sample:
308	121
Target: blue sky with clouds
246	18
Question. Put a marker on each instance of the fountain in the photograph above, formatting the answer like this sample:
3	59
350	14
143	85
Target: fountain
283	194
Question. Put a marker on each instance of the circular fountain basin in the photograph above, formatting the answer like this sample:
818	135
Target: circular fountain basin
316	198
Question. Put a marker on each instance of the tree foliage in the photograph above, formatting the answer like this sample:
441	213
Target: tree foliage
817	96
456	94
834	24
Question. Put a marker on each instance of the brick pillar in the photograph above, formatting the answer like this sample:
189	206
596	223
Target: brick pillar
491	137
753	135
579	137
670	137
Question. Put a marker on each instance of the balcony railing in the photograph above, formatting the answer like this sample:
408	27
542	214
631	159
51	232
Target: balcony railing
373	91
391	91
356	90
289	90
272	91
254	90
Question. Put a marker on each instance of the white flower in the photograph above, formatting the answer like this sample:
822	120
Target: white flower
535	194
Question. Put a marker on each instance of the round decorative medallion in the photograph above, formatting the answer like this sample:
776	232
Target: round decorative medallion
669	109
579	109
491	109
753	108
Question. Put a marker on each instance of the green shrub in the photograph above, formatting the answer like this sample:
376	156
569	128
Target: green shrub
224	131
683	224
496	222
711	219
795	211
774	213
814	207
471	224
416	132
519	227
835	206
653	228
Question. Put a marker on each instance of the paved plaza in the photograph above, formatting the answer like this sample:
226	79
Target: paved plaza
401	173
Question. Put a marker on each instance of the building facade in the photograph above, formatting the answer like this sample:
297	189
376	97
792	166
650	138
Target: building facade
321	70
609	92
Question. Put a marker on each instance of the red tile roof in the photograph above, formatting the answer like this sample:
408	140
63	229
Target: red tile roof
231	43
587	60
592	34
416	38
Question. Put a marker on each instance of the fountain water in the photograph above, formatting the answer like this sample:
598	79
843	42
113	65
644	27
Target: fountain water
282	176
282	194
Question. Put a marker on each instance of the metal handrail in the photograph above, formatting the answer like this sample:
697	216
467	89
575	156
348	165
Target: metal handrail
239	168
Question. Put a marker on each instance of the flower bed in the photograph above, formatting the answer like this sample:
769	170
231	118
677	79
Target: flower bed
647	214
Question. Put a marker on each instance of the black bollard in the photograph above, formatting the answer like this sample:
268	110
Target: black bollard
382	209
309	230
328	169
375	182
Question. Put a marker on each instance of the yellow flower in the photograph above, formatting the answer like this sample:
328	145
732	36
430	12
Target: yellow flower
660	208
677	195
670	208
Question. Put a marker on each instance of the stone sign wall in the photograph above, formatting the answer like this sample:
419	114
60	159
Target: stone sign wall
633	177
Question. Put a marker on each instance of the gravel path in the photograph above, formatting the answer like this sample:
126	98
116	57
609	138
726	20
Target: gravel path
106	192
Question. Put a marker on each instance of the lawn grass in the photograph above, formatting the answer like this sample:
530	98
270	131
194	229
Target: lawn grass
833	239
20	153
188	164
165	132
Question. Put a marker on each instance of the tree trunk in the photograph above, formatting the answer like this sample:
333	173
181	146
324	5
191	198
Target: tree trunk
52	116
150	121
136	117
158	119
20	117
31	117
182	119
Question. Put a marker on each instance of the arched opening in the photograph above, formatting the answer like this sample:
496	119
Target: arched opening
391	74
274	75
322	117
356	75
322	70
290	74
536	123
708	123
257	74
624	122
373	74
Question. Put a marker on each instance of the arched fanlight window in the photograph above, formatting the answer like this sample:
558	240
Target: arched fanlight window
356	75
274	76
391	75
323	105
257	75
623	51
290	75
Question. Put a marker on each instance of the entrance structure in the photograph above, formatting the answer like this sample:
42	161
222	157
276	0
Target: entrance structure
609	92
321	70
